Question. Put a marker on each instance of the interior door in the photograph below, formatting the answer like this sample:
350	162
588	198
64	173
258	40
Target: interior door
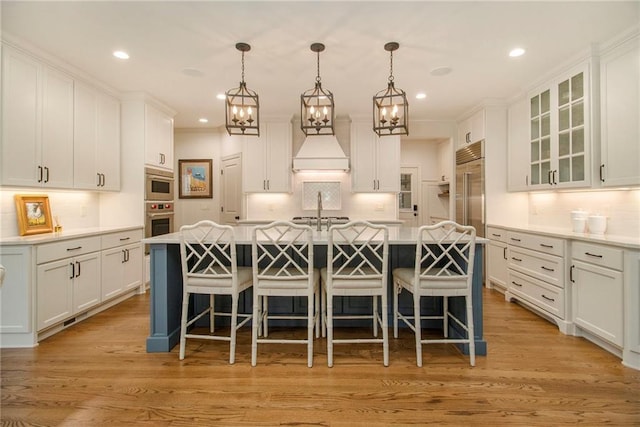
231	189
408	197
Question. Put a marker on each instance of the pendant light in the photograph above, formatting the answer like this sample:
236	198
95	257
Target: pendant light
242	113
390	106
316	105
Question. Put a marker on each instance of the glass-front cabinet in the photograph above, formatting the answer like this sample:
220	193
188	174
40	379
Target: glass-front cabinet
560	132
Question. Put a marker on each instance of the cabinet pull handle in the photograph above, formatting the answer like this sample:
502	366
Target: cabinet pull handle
547	298
39	173
555	180
602	172
124	239
546	246
516	283
516	259
496	235
74	249
46	169
467	137
124	256
547	269
515	240
73	270
571	274
98	176
78	263
268	185
127	250
504	253
549	177
593	255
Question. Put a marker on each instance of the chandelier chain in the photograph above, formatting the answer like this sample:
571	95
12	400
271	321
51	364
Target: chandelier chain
318	67
391	67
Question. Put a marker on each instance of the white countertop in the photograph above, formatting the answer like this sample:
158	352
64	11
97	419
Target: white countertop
37	239
243	235
372	221
631	242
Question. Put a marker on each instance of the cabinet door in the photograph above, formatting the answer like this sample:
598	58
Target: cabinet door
540	139
254	164
597	301
388	163
497	270
113	261
478	126
108	148
158	138
464	133
132	276
363	158
85	138
165	133
21	119
86	282
57	129
620	109
16	291
278	165
54	292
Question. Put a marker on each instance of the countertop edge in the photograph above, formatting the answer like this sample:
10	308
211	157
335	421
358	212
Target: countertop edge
38	239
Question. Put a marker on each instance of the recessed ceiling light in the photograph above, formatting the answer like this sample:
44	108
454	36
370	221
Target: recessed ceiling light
421	95
121	54
203	120
221	96
441	71
516	52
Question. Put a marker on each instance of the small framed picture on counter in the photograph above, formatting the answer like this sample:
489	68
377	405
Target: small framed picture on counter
34	214
194	179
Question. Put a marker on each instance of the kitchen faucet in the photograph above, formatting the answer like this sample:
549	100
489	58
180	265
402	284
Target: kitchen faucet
318	221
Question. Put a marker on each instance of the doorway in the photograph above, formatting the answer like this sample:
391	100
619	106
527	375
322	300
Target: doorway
231	189
408	198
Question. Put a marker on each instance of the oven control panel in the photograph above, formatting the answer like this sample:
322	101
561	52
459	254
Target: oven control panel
158	207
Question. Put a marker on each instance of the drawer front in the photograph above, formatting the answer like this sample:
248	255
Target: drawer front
497	234
604	256
67	248
548	245
113	240
541	294
545	267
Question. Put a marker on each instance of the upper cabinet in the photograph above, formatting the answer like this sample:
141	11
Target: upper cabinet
560	132
267	159
158	135
472	129
375	161
96	140
619	108
37	123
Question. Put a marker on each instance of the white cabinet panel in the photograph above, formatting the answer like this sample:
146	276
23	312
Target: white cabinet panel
16	291
86	282
54	292
497	271
158	138
121	269
267	159
375	160
472	129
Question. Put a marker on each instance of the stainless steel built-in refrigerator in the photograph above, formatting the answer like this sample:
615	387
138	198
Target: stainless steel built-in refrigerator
470	187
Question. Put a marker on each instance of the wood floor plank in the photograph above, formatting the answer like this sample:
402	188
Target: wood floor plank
97	372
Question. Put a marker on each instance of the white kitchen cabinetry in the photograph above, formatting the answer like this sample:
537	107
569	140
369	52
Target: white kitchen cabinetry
536	275
560	132
96	140
471	129
122	259
15	294
267	159
497	259
158	136
68	279
518	146
597	275
37	123
375	161
620	109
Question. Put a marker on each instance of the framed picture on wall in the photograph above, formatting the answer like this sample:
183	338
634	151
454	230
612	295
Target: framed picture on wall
34	214
195	179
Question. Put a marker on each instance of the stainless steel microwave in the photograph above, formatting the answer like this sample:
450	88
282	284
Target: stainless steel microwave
159	185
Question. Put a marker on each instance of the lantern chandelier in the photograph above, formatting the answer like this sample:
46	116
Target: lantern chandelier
242	113
316	105
390	106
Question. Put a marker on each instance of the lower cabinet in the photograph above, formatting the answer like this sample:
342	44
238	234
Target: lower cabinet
121	269
598	291
497	260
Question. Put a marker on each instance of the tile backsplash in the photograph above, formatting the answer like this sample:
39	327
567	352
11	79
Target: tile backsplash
330	193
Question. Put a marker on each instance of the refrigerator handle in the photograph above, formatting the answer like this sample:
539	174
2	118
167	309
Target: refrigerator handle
465	199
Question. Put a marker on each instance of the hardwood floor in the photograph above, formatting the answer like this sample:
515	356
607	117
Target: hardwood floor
98	373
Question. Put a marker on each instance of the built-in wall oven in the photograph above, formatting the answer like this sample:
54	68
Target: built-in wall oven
159	218
158	185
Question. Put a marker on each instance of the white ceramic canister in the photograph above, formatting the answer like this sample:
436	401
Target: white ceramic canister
579	220
597	224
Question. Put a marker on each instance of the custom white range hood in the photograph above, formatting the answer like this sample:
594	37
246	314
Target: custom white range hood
321	153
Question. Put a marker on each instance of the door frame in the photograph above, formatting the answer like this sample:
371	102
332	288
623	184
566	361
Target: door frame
415	190
223	182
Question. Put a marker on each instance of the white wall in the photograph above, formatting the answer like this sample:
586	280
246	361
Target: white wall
622	207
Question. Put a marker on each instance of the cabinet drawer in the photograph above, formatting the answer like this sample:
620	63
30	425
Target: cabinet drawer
545	267
67	248
121	238
605	256
548	245
497	234
541	294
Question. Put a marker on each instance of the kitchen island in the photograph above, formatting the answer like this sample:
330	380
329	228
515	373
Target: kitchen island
166	282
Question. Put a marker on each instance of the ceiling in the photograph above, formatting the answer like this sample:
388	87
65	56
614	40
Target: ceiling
183	53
